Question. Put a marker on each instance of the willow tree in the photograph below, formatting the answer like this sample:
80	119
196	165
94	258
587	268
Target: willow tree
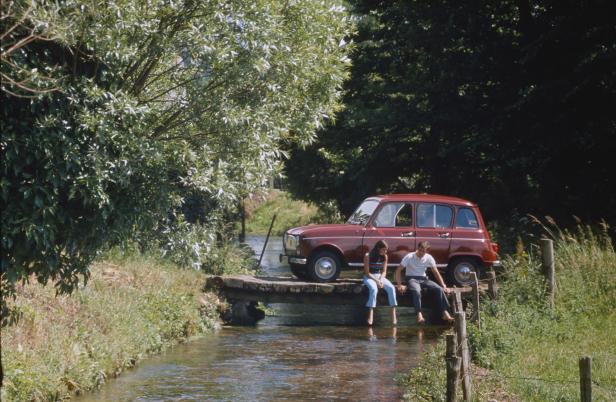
112	111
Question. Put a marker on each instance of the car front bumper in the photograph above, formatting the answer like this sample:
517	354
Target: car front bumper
292	260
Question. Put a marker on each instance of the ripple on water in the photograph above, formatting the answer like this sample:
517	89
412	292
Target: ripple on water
281	359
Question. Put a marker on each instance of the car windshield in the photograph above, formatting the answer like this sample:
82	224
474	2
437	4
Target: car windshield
363	213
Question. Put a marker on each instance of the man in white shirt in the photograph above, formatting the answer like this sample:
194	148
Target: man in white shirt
416	264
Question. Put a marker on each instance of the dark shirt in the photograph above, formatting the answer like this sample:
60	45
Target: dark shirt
375	263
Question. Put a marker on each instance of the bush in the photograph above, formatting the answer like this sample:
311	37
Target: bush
527	349
133	306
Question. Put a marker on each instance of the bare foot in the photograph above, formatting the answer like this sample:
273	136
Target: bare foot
420	319
369	319
447	317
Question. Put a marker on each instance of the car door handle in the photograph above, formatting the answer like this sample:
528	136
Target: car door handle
408	234
444	234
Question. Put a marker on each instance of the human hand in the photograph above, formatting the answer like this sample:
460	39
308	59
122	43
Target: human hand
380	284
446	290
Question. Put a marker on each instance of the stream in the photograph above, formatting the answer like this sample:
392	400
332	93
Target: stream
297	353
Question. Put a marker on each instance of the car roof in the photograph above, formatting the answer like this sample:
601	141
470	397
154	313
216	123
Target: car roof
425	198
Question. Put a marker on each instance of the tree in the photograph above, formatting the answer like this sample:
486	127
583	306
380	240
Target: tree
114	112
505	103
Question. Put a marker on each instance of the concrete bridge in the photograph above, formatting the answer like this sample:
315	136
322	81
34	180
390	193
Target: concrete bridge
244	291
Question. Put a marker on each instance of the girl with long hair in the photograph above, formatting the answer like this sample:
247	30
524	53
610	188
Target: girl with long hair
375	278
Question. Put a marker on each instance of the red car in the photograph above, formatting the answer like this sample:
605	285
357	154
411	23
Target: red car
459	241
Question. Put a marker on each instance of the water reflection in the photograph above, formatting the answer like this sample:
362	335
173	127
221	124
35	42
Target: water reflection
276	363
300	352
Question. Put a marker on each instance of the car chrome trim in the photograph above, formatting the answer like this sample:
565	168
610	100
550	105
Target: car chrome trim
295	260
334	237
359	264
497	263
393	237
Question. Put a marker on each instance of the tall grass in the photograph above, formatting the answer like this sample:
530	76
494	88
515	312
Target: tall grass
289	213
132	307
530	350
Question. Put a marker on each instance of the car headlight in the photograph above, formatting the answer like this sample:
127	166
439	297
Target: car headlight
291	243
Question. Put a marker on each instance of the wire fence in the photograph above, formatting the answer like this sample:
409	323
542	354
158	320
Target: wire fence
606	388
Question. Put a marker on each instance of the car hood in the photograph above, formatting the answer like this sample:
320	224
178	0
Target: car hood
324	230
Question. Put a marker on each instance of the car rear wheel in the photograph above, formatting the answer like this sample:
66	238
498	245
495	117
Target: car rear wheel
459	271
299	271
324	266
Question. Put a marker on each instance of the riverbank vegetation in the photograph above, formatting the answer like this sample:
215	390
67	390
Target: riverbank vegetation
528	351
289	213
133	121
133	306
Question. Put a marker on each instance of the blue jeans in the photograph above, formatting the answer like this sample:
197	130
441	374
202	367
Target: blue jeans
373	290
416	283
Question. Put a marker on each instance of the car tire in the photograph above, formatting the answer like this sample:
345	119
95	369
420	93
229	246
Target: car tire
299	271
458	271
324	266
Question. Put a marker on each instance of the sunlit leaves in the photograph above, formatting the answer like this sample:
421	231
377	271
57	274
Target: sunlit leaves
152	102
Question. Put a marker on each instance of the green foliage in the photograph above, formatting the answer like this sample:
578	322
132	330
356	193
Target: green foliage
133	306
505	103
529	350
428	381
523	338
115	115
289	213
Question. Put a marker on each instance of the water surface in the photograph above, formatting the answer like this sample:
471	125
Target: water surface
298	353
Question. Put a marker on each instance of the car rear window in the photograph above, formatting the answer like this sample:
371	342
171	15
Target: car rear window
465	218
434	216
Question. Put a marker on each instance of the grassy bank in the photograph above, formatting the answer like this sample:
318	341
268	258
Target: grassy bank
132	307
289	213
526	350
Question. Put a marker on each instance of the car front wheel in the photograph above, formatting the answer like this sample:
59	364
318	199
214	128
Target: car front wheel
324	266
459	271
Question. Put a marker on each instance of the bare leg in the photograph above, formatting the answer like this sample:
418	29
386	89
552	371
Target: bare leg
394	319
370	316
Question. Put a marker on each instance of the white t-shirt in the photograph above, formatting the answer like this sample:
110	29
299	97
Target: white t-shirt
416	266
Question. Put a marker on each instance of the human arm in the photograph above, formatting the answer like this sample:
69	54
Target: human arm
367	270
398	277
439	278
384	274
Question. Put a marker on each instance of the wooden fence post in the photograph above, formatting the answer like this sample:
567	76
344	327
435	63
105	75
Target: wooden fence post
475	285
492	287
585	379
453	367
465	355
547	258
458	307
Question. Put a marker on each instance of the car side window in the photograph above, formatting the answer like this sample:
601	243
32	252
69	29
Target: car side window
434	216
394	214
387	215
465	218
405	216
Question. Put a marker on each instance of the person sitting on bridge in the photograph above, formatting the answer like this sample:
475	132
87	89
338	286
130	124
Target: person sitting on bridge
416	264
375	278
